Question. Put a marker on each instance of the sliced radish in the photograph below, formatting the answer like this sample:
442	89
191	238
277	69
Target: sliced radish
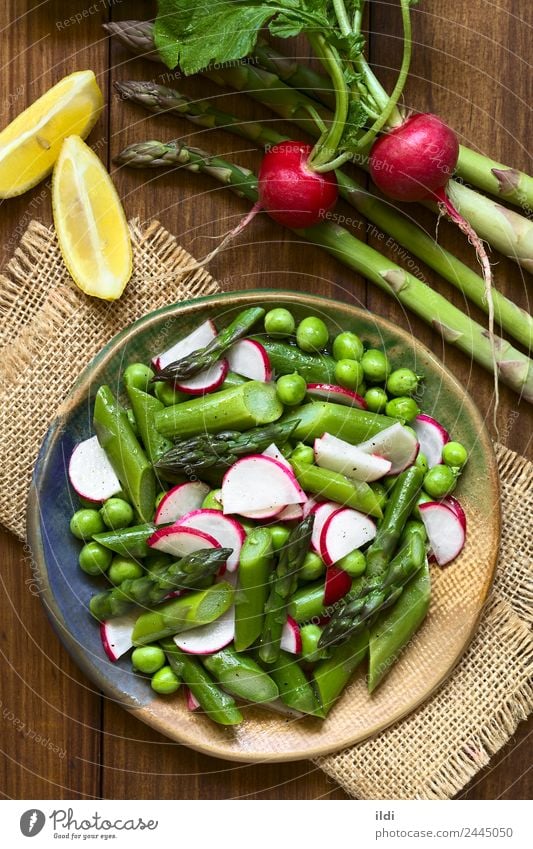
249	359
322	512
336	394
396	444
180	541
209	638
291	639
91	474
432	438
274	452
339	456
199	338
225	530
257	483
192	701
291	512
338	584
205	381
262	515
445	531
310	506
454	505
116	633
344	531
179	500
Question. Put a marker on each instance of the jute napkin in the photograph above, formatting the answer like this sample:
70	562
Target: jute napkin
49	331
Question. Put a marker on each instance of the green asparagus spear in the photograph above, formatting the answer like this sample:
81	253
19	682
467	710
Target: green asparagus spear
221	450
283	583
294	689
331	675
255	565
349	423
129	461
144	408
241	676
130	542
206	357
286	359
337	487
187	573
183	613
240	407
218	705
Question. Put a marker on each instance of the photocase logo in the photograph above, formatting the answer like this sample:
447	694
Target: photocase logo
32	822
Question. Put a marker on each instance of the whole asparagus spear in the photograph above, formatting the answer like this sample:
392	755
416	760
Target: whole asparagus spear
514	320
188	573
205	357
283	583
514	368
221	450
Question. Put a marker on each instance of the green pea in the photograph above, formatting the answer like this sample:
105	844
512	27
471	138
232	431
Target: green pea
166	393
349	373
414	527
376	365
423	498
347	346
310	635
313	567
94	558
85	523
165	681
376	399
303	453
354	563
291	389
148	659
403	408
124	568
422	461
280	534
280	322
212	501
312	334
454	454
117	513
138	376
402	381
440	481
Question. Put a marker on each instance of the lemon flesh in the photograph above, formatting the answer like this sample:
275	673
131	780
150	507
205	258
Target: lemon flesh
90	223
30	145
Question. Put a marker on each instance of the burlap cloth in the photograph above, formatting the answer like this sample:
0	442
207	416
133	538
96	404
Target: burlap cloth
50	331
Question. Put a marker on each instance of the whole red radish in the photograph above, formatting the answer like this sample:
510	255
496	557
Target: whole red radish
291	192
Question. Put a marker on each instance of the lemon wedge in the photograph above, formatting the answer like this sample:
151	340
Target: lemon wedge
30	145
90	223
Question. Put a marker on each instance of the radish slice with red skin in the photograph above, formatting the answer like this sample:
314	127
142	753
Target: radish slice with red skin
192	701
396	444
116	634
205	381
445	531
228	532
310	506
291	512
250	359
90	473
180	541
199	338
432	437
209	638
336	394
322	512
261	515
258	483
179	501
338	584
340	456
291	640
454	505
344	531
274	452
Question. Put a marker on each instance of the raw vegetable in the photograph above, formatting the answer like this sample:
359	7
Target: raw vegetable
344	531
228	532
291	640
184	613
116	634
337	395
445	530
124	569
349	423
432	437
280	322
85	523
90	473
117	513
287	359
278	487
396	443
340	456
180	500
249	358
337	487
294	688
165	681
180	541
255	566
209	638
130	542
331	675
199	338
241	676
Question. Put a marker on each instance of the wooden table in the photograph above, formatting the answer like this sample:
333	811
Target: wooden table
475	55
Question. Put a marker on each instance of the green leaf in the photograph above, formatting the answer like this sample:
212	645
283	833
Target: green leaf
285	26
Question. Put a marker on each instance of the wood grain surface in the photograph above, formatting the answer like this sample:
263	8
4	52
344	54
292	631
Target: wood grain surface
58	737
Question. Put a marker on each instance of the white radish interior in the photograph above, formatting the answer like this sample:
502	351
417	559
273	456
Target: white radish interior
396	444
180	541
179	500
274	452
249	359
445	531
116	633
322	512
343	532
205	381
340	456
291	640
259	483
209	638
227	531
432	438
199	338
91	474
